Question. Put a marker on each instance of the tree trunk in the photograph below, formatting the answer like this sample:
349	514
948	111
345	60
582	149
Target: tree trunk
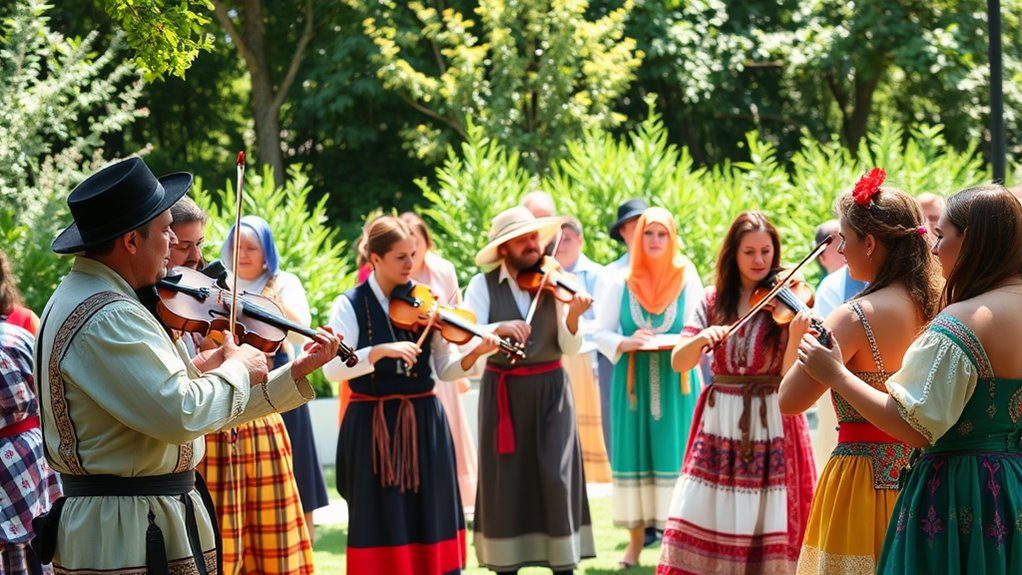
266	100
855	124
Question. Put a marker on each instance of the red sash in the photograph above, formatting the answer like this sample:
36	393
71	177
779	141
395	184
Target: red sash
505	427
20	426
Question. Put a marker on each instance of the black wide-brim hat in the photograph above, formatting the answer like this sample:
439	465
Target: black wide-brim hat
627	212
116	200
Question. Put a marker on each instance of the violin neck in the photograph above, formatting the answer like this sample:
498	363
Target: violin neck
275	320
791	300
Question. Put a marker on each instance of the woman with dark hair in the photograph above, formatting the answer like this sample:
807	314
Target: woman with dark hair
395	457
958	397
743	498
883	239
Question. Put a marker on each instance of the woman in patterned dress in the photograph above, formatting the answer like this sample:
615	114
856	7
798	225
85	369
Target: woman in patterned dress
743	498
651	404
883	240
958	396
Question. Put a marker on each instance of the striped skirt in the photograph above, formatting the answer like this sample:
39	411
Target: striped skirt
744	495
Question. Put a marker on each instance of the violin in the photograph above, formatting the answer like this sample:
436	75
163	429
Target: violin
191	301
416	305
558	282
775	287
794	297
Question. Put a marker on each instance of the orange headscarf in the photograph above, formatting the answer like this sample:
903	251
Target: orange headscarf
656	282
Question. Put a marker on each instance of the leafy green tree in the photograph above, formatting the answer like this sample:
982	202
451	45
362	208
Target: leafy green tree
60	99
166	35
532	74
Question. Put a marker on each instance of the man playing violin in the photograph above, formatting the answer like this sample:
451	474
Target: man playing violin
123	408
531	506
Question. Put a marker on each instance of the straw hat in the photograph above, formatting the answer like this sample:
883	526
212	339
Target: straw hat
513	223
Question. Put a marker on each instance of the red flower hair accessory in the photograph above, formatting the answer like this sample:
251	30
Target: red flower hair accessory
868	186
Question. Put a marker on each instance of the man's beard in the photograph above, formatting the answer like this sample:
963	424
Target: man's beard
525	261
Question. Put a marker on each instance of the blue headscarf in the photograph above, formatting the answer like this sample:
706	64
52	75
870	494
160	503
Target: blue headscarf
265	237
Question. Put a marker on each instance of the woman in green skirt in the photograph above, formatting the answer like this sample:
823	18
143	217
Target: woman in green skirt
651	404
958	396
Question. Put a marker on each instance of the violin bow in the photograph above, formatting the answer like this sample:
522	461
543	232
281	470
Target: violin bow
778	286
237	241
542	284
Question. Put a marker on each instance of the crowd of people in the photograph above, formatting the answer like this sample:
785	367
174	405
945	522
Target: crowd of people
191	446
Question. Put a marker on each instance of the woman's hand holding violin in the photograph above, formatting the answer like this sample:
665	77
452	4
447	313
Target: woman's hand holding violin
801	324
635	341
488	344
405	351
316	353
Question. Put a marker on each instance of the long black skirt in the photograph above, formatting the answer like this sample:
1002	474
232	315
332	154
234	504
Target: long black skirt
390	531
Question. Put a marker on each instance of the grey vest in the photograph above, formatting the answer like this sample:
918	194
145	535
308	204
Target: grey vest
542	346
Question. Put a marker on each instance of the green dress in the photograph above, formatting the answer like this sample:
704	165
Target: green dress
960	508
649	432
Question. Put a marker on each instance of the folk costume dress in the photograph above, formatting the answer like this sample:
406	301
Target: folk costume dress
858	486
651	404
124	414
960	506
28	487
250	473
531	507
439	274
743	499
395	457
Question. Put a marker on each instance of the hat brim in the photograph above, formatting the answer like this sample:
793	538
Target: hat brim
547	228
615	230
174	185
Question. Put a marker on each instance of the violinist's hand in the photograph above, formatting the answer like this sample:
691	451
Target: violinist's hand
253	359
517	330
405	351
576	307
316	353
635	341
820	362
490	343
800	325
713	335
208	359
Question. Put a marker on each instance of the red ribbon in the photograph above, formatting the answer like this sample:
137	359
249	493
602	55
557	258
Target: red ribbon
505	428
20	426
863	433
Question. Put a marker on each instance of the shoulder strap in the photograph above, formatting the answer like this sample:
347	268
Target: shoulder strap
869	335
61	342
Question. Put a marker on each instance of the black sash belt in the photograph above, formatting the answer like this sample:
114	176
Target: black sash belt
171	484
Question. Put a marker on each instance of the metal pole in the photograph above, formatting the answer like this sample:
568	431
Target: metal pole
997	151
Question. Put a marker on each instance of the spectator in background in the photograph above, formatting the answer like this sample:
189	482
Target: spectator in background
581	368
932	205
540	203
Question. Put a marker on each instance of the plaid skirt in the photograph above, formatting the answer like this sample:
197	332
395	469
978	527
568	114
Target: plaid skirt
250	478
28	487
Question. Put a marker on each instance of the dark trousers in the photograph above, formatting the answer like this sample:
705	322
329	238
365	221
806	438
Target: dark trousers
605	373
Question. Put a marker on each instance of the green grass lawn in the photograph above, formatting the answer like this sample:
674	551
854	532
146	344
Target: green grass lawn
331	541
